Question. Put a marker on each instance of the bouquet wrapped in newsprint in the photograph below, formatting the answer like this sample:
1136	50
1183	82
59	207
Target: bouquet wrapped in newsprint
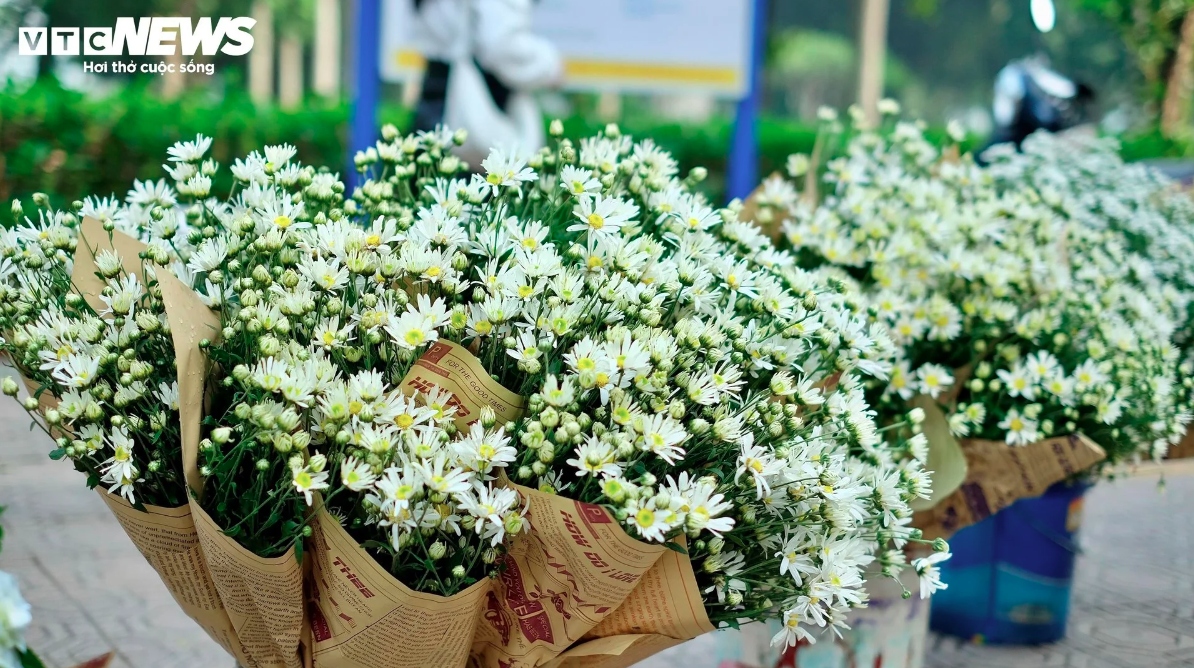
558	412
1032	326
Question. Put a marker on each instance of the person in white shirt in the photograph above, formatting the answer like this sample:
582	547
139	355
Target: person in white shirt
483	64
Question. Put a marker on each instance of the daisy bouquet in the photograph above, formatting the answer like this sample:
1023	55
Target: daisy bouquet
1015	316
662	361
97	358
87	328
1084	179
559	410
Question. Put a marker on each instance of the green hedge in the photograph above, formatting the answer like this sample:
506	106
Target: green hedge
70	145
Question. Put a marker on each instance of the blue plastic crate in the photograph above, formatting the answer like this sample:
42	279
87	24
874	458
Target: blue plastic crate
1010	577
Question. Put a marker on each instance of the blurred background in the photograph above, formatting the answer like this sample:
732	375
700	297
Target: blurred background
70	132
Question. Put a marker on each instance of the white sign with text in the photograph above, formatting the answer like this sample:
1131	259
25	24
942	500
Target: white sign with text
620	45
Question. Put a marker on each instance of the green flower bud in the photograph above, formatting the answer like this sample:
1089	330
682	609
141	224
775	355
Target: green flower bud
437	550
514	524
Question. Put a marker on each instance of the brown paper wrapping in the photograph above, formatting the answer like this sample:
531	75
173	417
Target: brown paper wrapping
559	581
167	539
576	577
263	597
574	591
362	617
1184	448
1000	475
750	213
664	609
450	367
93	239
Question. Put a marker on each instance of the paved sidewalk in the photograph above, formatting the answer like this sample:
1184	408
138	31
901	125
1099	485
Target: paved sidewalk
92	592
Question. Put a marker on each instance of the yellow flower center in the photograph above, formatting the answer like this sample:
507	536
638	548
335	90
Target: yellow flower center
596	221
282	221
414	337
644	518
404	421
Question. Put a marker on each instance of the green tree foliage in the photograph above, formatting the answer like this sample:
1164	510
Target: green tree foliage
1159	34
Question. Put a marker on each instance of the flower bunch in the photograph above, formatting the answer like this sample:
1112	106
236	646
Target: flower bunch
676	368
103	368
679	369
1019	317
1084	179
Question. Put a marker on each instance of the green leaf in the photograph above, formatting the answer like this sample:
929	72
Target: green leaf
29	659
676	547
57	454
946	461
378	545
298	549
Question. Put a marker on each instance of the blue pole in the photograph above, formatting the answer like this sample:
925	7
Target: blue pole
744	154
368	80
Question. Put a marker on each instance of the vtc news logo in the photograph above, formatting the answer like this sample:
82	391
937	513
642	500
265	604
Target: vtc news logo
156	36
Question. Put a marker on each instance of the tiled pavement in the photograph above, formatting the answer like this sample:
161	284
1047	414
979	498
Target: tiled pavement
92	592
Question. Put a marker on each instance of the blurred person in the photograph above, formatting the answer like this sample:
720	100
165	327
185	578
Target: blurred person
1029	96
483	64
